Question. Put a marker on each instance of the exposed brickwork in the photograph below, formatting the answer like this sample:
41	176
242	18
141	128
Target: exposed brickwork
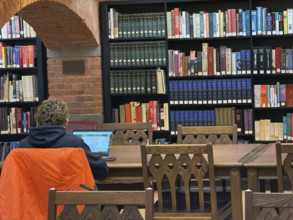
82	93
59	23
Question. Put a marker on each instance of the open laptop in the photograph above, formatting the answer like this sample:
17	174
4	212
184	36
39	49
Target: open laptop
99	141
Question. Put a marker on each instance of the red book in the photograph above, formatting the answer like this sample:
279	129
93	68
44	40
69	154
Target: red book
24	56
128	113
31	56
278	59
211	61
233	21
263	94
176	22
138	112
289	95
18	120
207	24
229	15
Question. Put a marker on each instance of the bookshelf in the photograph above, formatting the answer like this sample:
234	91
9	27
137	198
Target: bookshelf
24	83
201	87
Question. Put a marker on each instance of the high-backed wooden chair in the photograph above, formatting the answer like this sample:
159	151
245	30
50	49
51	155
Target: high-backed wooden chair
185	161
130	133
206	134
269	203
80	125
129	200
284	167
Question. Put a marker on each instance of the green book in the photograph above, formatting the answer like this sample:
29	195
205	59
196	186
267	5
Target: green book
289	130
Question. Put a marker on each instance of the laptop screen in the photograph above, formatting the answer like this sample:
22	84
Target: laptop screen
99	141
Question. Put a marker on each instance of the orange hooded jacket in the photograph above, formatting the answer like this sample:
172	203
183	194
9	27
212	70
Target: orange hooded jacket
28	174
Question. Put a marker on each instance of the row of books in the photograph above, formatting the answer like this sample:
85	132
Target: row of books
16	27
6	147
265	130
153	110
267	96
13	89
182	24
216	117
17	56
208	62
136	25
265	22
147	53
219	91
144	81
15	120
269	60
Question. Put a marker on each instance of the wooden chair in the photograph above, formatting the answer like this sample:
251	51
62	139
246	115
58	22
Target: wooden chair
284	167
110	200
80	125
206	134
130	133
185	161
269	203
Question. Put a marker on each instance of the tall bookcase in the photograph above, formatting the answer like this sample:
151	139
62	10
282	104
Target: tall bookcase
38	72
256	72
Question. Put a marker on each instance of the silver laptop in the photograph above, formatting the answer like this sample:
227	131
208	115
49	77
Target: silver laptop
99	141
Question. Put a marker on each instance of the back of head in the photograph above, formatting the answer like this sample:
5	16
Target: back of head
52	111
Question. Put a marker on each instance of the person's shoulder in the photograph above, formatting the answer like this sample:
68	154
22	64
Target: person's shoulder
73	137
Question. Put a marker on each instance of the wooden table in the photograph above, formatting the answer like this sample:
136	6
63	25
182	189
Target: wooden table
228	159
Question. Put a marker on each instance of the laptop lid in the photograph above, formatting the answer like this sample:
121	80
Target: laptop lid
99	141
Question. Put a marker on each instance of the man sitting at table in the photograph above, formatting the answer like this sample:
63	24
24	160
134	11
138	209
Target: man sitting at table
51	118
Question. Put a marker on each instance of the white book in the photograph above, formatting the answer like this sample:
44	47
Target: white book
4	31
194	25
290	20
257	97
257	130
169	24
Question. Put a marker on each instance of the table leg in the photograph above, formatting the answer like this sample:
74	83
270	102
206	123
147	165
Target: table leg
236	194
252	181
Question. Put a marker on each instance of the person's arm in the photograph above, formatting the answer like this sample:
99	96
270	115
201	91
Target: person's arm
98	165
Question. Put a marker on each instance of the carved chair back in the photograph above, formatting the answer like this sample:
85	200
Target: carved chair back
206	134
111	201
130	133
186	161
268	203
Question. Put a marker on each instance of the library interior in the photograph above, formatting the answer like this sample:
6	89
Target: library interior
146	109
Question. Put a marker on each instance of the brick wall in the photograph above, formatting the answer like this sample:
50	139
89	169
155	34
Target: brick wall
82	93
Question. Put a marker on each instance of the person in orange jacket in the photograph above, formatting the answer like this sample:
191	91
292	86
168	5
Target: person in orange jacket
51	118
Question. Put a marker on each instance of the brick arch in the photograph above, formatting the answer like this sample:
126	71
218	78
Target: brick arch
59	23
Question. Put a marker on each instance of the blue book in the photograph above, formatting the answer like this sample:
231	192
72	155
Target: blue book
247	61
225	92
215	32
181	92
248	91
195	118
276	30
210	92
185	92
243	63
234	90
201	14
290	61
259	20
253	22
204	92
182	118
200	118
244	91
24	123
214	89
247	18
239	90
244	23
240	22
5	145
172	123
190	91
191	118
171	92
211	24
194	91
195	34
229	90
186	118
204	118
219	91
213	120
264	21
176	92
199	92
17	56
238	62
187	23
285	127
269	23
209	123
177	120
